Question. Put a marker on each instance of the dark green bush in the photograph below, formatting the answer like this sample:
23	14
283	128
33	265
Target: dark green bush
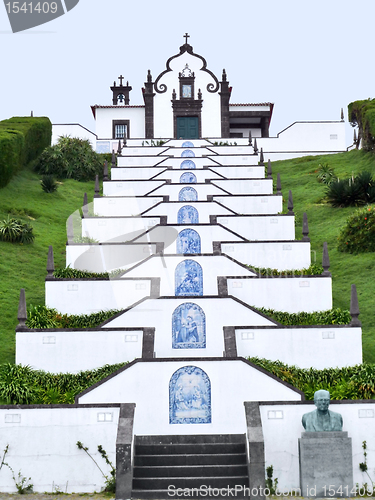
37	132
49	185
330	317
15	231
70	158
358	235
22	139
352	192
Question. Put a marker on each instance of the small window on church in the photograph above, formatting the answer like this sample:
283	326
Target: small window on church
120	129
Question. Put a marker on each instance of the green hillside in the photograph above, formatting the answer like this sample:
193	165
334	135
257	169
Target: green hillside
24	266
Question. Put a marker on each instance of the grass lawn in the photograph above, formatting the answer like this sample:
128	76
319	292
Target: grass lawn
325	222
24	266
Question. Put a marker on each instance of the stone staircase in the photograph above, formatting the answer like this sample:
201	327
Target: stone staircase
162	464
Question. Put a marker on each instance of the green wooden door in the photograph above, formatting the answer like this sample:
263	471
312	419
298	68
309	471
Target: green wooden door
187	127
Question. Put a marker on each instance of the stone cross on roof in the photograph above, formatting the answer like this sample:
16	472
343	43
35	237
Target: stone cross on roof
120	78
186	36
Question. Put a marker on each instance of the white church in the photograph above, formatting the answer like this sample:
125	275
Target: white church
189	209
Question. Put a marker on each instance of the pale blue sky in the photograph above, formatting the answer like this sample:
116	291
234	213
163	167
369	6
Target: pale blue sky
309	58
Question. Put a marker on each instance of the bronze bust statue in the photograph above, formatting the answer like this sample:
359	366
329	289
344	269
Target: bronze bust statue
322	419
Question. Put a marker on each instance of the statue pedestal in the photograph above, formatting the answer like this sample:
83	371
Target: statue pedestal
325	464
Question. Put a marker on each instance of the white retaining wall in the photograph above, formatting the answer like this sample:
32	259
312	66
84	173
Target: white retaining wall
205	209
42	446
158	313
71	351
129	187
203	190
106	257
104	229
147	384
131	173
234	171
120	206
318	137
261	228
72	130
338	346
89	296
252	205
208	234
246	186
283	255
201	175
290	294
165	267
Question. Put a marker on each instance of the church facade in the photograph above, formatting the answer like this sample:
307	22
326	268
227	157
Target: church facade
185	101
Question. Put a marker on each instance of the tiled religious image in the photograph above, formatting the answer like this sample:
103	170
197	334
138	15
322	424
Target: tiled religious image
187	144
188	153
187	165
188	241
188	178
188	194
189	396
188	278
188	327
188	215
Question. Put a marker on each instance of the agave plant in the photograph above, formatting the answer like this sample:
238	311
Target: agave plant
326	174
49	185
15	231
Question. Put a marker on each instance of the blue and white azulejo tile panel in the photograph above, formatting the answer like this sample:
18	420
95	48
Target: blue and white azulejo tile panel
188	194
188	178
187	144
187	215
188	153
188	278
187	165
188	327
190	396
188	241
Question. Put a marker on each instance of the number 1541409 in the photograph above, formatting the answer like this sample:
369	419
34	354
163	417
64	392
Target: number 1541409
30	8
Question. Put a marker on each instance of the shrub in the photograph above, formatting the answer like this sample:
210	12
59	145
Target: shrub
49	184
44	317
326	174
330	317
353	382
16	231
352	192
23	385
68	272
358	235
313	270
70	158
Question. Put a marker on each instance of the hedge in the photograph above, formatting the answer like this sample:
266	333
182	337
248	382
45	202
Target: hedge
22	139
362	113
